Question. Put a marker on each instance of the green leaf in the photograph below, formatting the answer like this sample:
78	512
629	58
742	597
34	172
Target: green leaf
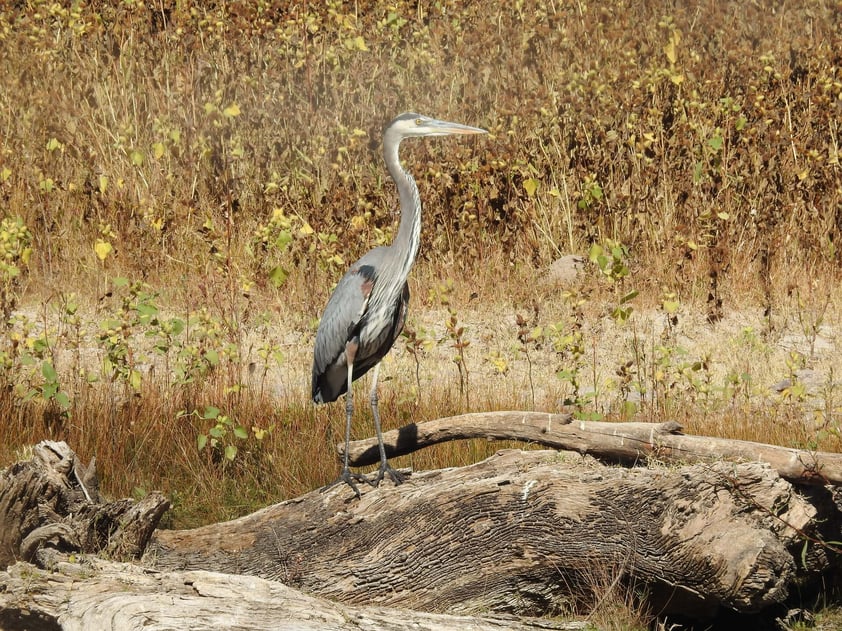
716	142
241	432
62	399
621	314
201	441
135	379
41	346
231	452
217	431
602	261
102	249
211	412
698	171
176	326
565	374
49	372
212	357
629	296
277	276
146	309
671	306
356	43
283	239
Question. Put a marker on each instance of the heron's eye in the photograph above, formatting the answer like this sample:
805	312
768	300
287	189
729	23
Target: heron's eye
418	121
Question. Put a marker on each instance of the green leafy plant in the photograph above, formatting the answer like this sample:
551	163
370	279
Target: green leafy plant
15	253
611	260
591	193
224	437
271	240
135	312
49	388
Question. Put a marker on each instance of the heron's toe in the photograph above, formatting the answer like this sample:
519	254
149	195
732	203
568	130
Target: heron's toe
384	470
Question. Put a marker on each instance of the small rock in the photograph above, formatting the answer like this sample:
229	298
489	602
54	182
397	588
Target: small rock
566	270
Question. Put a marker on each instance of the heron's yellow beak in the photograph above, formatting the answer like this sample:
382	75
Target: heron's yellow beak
445	127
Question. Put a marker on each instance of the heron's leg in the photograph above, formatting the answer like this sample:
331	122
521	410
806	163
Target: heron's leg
396	476
349	414
347	476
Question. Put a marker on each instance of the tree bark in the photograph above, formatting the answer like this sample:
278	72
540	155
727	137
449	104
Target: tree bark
53	500
627	443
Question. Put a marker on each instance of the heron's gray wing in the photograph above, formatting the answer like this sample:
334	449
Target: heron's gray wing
340	321
377	339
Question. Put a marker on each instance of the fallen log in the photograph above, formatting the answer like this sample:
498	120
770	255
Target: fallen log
628	443
90	593
521	531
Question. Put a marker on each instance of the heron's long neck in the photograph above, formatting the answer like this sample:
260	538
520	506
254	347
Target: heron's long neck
404	248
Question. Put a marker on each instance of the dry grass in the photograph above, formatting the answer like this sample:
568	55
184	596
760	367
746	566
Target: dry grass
223	159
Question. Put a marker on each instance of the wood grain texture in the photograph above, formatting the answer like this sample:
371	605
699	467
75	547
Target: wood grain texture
89	593
519	532
53	500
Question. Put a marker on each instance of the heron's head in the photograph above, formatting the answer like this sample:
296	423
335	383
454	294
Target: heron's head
411	125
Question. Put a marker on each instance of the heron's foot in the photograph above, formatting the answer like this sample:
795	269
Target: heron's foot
386	469
350	478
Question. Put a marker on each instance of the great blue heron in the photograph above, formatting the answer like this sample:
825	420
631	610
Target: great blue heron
367	310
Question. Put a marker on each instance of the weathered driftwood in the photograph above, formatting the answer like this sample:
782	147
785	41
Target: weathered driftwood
90	593
629	443
53	500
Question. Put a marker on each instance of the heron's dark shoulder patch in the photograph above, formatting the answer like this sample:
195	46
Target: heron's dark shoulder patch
368	274
366	271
